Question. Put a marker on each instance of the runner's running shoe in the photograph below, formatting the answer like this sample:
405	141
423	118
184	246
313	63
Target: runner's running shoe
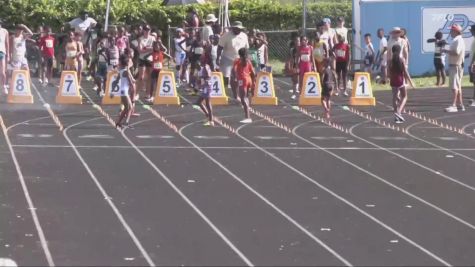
451	109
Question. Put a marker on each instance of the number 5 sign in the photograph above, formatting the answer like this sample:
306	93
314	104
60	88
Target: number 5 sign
68	92
20	88
362	91
311	90
165	92
264	93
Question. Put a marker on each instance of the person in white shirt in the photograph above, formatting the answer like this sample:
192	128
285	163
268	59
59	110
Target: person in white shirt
456	54
471	69
83	25
369	53
382	58
396	39
18	49
207	30
228	47
4	54
340	29
145	59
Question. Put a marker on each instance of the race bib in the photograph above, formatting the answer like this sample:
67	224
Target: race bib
157	65
49	43
199	50
71	53
340	53
305	58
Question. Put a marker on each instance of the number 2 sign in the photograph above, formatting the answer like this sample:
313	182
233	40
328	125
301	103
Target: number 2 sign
68	92
311	90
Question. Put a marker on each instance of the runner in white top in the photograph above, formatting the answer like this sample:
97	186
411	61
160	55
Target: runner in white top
145	62
18	49
125	82
4	54
180	54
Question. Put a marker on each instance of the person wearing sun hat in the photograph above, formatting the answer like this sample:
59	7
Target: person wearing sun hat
471	68
456	53
396	39
228	47
207	30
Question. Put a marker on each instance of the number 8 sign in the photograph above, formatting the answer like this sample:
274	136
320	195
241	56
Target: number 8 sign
20	88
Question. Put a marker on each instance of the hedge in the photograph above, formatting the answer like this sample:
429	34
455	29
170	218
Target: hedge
262	14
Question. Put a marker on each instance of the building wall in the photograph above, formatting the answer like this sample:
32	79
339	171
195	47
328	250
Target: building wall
421	18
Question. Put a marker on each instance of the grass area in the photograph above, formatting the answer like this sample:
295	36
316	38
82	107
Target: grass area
423	82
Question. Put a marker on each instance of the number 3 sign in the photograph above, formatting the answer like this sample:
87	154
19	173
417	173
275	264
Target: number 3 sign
264	93
362	91
68	92
165	92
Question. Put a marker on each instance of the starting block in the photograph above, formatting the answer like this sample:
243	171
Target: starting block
312	90
20	88
362	94
264	93
112	95
68	92
218	94
165	93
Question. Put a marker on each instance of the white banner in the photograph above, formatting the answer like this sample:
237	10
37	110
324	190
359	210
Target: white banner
441	19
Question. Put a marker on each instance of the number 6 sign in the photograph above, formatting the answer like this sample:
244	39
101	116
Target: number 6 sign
362	91
20	88
68	92
165	92
311	90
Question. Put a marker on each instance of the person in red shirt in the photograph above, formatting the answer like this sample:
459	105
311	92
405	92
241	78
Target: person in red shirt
158	55
342	57
46	44
245	76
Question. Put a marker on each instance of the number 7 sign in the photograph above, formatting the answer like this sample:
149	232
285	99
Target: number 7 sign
68	92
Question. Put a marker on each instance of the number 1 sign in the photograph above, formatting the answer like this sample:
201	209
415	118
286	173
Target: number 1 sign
68	92
20	88
165	92
362	91
311	90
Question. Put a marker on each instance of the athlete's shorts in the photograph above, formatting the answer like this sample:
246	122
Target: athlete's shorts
226	66
244	85
21	63
144	63
305	67
47	61
180	58
439	64
455	77
2	55
101	71
341	67
472	77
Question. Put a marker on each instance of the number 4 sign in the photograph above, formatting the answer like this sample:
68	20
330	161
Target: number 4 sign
362	91
218	94
20	88
165	92
311	90
264	93
68	92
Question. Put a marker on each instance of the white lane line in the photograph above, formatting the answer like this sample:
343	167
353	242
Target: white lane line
189	202
329	137
447	138
26	135
184	197
155	136
211	137
271	137
96	136
39	124
31	206
268	202
6	262
105	195
349	203
389	138
411	161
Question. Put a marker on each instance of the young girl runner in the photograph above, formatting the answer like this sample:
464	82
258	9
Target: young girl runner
262	52
369	54
205	85
125	82
342	57
113	54
439	57
101	71
292	66
398	75
80	58
158	56
306	61
245	76
328	84
319	53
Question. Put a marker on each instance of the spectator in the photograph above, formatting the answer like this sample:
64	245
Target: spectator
397	39
439	57
4	53
229	45
382	59
456	54
192	19
369	53
207	30
83	25
340	29
408	44
472	67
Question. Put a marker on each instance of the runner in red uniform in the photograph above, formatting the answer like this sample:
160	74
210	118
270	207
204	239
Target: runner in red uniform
245	75
305	58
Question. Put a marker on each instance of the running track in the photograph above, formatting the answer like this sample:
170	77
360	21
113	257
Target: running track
288	189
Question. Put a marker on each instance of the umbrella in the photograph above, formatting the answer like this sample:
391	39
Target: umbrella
182	2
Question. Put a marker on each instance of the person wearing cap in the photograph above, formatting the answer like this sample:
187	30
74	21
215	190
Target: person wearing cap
145	63
472	66
4	53
228	47
341	30
396	39
327	33
456	53
207	30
